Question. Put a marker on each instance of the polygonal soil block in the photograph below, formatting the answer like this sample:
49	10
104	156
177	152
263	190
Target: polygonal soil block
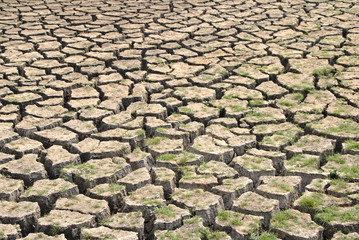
132	221
204	204
82	128
192	229
219	169
10	189
285	189
134	137
318	185
174	161
212	149
30	124
350	147
241	143
95	172
232	189
238	225
58	135
335	219
67	222
190	179
292	224
313	202
227	122
265	115
164	177
243	93
194	93
107	233
280	139
90	148
23	146
144	199
172	133
336	128
25	168
136	179
82	204
306	166
193	128
311	144
56	158
116	120
159	145
8	136
22	99
150	110
253	166
139	159
276	157
255	204
341	188
232	107
45	192
113	193
36	236
342	236
301	118
9	232
93	114
199	112
344	166
24	214
153	123
170	217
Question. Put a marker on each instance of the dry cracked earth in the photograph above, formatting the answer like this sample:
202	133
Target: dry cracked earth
179	119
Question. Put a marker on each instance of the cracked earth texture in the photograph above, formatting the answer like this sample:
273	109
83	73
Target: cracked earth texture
179	119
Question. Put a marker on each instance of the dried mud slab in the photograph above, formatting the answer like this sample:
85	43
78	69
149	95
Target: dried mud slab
283	188
132	221
11	189
204	204
56	158
170	217
25	214
253	167
10	231
90	148
238	225
295	225
25	168
66	222
35	236
104	232
83	204
145	198
343	166
306	166
211	149
95	172
336	128
46	192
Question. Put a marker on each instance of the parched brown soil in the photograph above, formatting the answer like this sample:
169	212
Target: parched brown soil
179	119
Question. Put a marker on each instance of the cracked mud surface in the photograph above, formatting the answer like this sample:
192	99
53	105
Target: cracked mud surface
179	119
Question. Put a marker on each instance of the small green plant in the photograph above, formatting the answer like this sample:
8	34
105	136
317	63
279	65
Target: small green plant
332	213
284	219
166	212
352	145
